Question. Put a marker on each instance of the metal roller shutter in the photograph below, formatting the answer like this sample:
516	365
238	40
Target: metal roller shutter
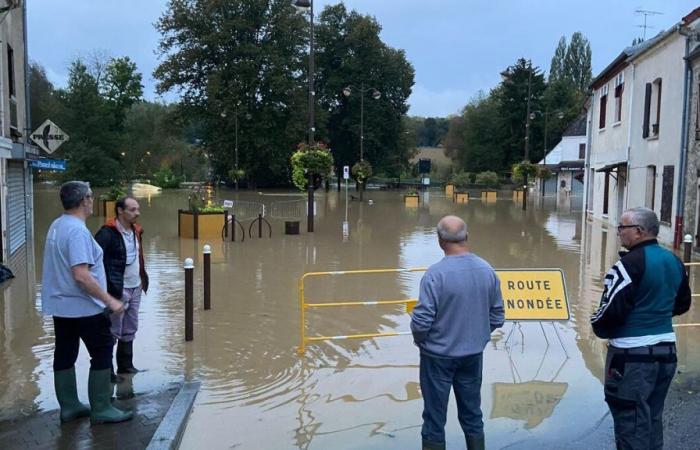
16	206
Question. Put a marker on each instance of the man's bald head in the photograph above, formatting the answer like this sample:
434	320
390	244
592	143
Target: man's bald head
452	229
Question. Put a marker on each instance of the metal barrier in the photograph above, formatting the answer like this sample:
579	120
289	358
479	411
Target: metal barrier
303	306
290	209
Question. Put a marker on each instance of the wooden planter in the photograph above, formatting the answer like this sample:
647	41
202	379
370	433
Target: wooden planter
517	195
489	196
195	225
411	200
105	208
461	197
449	189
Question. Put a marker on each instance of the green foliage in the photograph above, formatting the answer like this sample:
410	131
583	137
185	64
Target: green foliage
211	209
115	192
236	174
487	178
544	173
461	179
166	179
411	192
310	160
361	171
523	168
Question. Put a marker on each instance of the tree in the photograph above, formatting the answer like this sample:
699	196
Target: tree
237	59
121	88
556	69
577	62
43	101
350	53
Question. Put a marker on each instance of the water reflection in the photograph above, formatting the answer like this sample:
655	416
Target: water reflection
257	393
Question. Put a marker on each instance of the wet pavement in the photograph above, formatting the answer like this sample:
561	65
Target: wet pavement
44	430
257	392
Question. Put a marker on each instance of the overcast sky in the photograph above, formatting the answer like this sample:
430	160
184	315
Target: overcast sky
457	47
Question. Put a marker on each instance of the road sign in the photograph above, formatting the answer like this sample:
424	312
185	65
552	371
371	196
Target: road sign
534	294
59	165
49	137
346	172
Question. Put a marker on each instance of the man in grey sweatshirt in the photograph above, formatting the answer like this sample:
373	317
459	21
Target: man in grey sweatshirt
459	305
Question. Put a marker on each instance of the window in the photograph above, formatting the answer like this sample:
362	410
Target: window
666	195
11	71
650	187
652	109
619	88
581	151
606	193
603	106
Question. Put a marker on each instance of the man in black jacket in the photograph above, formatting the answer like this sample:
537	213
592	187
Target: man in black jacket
120	239
643	291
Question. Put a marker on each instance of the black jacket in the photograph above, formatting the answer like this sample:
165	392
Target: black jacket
112	243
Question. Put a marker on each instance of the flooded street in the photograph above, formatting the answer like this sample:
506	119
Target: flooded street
257	393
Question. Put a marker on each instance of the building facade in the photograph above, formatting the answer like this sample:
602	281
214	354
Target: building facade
16	204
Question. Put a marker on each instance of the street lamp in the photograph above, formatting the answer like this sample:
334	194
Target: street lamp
235	148
546	114
347	91
309	4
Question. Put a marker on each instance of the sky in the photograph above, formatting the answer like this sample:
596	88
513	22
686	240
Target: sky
457	47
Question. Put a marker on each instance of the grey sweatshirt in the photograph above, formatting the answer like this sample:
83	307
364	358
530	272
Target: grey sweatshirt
460	304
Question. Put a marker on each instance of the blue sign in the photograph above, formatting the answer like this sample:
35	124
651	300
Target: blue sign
58	165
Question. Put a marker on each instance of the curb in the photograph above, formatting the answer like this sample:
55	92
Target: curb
169	432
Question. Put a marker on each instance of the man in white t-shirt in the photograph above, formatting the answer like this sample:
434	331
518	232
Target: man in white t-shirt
74	292
120	238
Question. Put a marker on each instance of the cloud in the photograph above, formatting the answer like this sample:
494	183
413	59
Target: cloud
426	103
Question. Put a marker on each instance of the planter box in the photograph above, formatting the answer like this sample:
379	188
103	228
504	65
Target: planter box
449	190
105	208
489	196
411	200
461	197
195	225
517	195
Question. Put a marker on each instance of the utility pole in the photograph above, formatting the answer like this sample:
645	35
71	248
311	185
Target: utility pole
527	132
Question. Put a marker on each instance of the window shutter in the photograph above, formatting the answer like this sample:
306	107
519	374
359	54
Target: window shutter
647	110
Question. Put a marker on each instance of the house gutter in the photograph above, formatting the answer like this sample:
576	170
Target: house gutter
680	198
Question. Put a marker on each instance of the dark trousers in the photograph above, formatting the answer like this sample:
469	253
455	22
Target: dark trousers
95	334
437	376
636	384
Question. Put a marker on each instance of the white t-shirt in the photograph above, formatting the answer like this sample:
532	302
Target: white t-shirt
132	278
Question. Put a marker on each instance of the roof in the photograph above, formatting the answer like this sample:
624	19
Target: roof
577	127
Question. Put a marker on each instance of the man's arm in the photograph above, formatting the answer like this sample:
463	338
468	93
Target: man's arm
425	310
497	314
618	296
82	276
683	296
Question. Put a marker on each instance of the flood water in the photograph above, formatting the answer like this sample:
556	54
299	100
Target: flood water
257	392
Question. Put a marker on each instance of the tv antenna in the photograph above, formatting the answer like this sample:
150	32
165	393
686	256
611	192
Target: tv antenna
645	13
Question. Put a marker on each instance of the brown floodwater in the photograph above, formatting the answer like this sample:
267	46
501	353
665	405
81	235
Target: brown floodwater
542	384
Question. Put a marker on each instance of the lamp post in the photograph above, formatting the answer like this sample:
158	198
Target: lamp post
527	132
546	114
309	4
347	91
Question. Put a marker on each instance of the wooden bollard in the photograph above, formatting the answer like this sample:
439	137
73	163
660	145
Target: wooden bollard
207	277
687	250
189	299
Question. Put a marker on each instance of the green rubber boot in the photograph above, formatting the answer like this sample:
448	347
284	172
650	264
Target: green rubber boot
100	393
476	442
67	395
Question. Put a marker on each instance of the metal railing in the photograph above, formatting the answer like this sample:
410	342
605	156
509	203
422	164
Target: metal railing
303	306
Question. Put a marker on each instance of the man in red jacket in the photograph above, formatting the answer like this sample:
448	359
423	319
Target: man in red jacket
120	239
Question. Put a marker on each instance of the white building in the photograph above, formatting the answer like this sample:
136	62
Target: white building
566	161
635	130
16	204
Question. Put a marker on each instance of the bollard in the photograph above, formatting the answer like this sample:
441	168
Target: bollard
687	250
259	226
189	299
207	277
233	228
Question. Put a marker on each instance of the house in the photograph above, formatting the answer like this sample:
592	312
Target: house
636	153
565	161
16	204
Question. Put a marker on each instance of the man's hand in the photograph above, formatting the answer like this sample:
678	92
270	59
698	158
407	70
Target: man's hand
115	305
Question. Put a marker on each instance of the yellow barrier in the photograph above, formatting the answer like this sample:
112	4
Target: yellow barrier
303	306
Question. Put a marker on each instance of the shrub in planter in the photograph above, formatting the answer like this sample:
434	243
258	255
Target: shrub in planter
316	159
108	200
410	198
524	168
487	178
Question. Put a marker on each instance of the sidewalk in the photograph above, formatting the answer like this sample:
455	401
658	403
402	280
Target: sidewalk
44	431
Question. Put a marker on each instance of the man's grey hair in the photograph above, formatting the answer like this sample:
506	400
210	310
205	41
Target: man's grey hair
458	235
72	193
646	219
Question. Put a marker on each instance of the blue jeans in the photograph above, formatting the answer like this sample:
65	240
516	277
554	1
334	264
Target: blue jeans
437	376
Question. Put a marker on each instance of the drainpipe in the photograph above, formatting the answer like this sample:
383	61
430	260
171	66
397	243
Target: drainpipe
680	198
629	137
587	164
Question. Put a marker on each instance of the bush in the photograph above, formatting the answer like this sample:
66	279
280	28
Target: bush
115	193
211	209
361	171
166	179
461	179
316	160
488	178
